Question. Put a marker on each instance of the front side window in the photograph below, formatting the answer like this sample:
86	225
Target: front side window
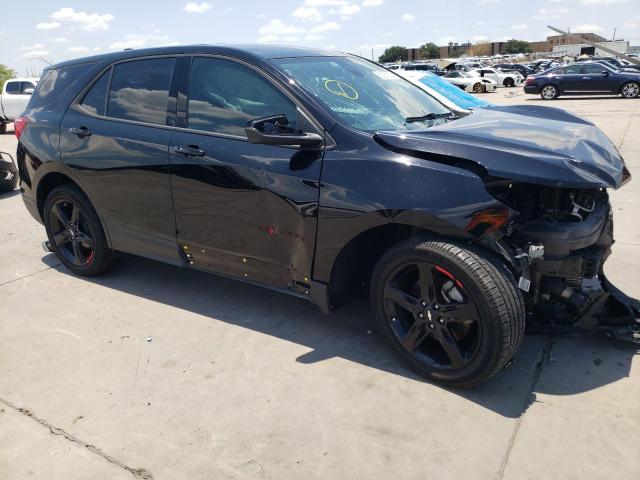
13	88
26	86
594	68
363	95
140	90
225	95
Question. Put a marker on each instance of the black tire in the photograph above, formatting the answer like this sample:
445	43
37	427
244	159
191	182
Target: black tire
8	181
3	128
630	90
484	338
75	232
508	82
549	92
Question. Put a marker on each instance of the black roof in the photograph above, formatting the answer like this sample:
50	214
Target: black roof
262	52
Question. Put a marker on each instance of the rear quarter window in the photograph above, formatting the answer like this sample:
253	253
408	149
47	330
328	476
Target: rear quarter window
54	82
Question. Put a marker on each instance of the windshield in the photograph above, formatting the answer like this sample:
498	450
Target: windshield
364	95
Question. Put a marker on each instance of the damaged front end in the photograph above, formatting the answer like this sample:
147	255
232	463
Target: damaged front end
559	241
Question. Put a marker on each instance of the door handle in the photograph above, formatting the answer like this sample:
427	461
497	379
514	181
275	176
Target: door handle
188	151
586	78
81	132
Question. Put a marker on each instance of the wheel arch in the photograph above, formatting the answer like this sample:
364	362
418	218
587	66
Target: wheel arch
54	179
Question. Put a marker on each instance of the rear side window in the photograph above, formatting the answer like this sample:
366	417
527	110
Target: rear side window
570	70
140	90
13	88
225	95
95	100
54	82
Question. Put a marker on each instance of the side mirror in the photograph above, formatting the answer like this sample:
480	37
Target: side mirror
28	91
275	130
605	72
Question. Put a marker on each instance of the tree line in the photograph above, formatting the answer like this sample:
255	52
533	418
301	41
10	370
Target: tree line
430	50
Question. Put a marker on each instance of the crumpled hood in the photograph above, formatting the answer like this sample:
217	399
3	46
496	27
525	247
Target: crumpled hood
533	144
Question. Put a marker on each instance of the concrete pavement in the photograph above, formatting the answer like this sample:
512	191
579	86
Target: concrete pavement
241	382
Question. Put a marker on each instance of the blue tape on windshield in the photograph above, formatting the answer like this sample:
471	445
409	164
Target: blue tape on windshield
453	93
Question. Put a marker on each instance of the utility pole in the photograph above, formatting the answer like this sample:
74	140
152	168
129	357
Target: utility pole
614	34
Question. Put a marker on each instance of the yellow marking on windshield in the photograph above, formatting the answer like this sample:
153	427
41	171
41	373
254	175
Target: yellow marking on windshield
341	89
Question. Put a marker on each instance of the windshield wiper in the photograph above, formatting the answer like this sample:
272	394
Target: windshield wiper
429	116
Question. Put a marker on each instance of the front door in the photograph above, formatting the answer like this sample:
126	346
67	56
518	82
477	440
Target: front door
241	209
595	78
116	142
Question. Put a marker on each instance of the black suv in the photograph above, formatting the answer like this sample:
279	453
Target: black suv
327	176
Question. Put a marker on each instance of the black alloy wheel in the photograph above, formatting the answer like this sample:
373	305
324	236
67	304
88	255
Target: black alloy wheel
451	312
75	232
432	315
508	82
72	234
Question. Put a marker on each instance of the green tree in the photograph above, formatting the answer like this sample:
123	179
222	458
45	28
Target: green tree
517	46
5	74
394	54
429	50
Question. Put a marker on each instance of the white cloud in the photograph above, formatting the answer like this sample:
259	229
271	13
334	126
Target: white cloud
34	54
268	39
78	50
193	7
633	22
142	40
58	40
325	3
311	14
278	27
408	17
325	27
36	46
484	2
372	3
586	28
550	13
479	23
601	2
520	26
480	39
349	9
313	37
48	25
87	21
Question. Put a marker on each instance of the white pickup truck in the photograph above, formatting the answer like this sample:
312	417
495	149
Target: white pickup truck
16	93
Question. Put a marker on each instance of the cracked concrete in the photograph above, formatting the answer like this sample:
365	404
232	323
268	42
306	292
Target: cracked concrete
240	382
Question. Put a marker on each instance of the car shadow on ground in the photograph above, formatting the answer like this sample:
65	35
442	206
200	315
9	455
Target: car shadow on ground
346	333
577	97
10	194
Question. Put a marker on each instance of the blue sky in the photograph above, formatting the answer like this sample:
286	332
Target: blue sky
55	31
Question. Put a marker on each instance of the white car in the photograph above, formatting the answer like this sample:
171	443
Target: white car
502	79
15	96
470	83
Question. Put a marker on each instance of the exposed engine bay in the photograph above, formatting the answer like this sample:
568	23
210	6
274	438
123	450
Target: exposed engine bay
560	239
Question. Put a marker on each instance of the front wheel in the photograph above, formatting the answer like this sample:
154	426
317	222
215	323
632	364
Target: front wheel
508	82
477	88
449	312
630	90
8	181
75	232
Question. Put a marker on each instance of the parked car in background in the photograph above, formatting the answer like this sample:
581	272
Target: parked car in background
470	83
425	67
616	63
613	66
514	67
14	98
450	95
583	78
502	79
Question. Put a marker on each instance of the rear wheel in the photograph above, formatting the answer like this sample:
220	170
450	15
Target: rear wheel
508	82
451	314
549	92
477	88
630	90
75	232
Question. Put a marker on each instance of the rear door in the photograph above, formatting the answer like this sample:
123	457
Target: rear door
115	140
242	209
569	78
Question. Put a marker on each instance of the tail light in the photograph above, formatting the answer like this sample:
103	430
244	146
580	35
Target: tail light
530	80
18	126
